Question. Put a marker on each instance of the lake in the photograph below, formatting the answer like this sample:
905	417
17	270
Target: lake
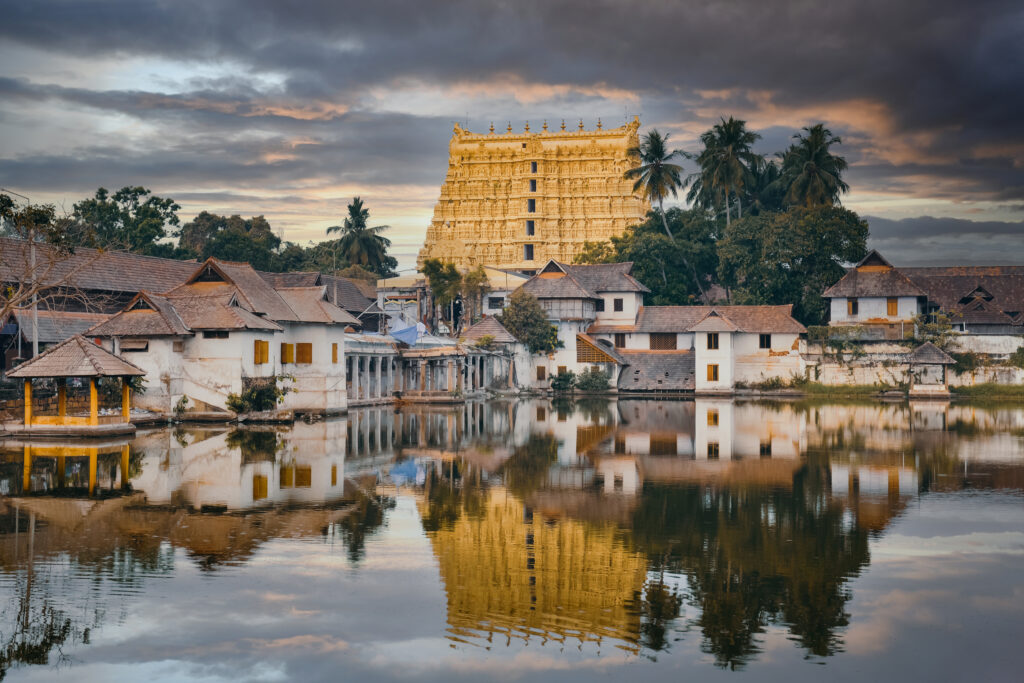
525	540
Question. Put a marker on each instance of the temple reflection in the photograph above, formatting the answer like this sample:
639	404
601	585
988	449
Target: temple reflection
603	525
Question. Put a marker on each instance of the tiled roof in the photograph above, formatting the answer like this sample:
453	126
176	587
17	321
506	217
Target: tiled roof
956	289
602	345
879	283
565	287
715	322
929	354
489	326
658	371
56	326
344	294
582	282
669	318
111	271
217	311
365	287
310	305
76	357
148	315
259	296
654	319
766	319
297	279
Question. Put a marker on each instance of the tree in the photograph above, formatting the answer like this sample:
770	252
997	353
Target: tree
725	166
361	244
133	219
445	281
811	174
655	178
231	238
664	266
791	256
525	320
475	286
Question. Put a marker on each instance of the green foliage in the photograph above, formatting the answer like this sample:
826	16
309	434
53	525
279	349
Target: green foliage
593	380
361	244
357	272
485	341
991	390
725	166
258	394
563	381
526	470
966	362
790	257
474	287
596	252
525	320
1016	358
811	174
132	218
937	329
231	239
655	177
445	281
109	388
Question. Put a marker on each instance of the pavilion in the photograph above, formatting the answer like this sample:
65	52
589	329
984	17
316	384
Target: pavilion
81	358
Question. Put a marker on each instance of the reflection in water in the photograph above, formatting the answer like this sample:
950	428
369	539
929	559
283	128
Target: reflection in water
635	527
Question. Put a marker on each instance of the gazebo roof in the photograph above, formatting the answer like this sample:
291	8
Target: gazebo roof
76	357
930	354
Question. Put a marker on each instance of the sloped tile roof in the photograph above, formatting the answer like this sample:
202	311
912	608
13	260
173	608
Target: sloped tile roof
658	371
714	322
296	279
56	326
257	293
111	271
929	354
565	287
606	277
217	311
885	283
669	318
343	294
489	326
310	305
762	319
603	346
148	315
76	357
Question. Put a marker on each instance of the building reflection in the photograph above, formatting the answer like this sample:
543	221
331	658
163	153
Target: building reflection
610	525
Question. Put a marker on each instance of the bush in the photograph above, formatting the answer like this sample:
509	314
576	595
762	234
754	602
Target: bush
563	381
258	394
486	341
966	362
593	380
1016	358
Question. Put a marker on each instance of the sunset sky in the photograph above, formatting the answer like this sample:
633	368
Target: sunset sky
290	109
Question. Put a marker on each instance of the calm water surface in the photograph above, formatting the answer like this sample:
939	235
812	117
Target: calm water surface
525	540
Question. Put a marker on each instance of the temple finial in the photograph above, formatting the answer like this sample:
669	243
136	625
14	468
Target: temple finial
527	129
545	124
599	123
509	127
581	124
563	124
492	127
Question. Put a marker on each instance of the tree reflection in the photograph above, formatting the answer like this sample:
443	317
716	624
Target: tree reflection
527	469
364	519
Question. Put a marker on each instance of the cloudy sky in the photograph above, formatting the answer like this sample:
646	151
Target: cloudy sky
290	109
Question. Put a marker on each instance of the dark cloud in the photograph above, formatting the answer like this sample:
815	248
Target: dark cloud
925	92
931	241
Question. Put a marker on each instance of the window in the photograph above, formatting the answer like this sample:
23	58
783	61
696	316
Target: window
766	449
259	486
712	450
663	341
527	252
892	306
617	305
334	475
712	418
561	369
134	345
334	352
287	353
531	205
495	302
765	341
261	352
852	307
542	414
533	167
531	228
178	346
541	373
533	185
215	334
712	341
712	373
620	340
599	305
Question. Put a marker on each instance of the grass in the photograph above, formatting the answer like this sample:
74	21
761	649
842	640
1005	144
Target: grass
990	390
818	389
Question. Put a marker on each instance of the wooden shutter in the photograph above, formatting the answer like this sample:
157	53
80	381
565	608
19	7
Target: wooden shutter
712	373
892	306
663	341
304	353
287	353
334	352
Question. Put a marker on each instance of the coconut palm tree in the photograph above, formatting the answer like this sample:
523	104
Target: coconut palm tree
656	177
810	172
360	244
725	166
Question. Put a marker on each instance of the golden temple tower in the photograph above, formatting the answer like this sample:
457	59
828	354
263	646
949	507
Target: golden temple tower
515	200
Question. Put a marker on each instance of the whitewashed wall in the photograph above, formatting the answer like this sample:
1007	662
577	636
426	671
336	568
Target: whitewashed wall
873	308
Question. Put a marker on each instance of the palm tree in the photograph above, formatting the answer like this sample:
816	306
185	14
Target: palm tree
810	172
656	177
725	165
360	244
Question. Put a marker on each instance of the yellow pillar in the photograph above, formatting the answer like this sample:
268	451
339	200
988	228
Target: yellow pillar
28	402
94	403
26	482
62	398
124	466
62	471
126	405
93	458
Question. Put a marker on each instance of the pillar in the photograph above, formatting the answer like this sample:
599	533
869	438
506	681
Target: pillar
126	400
423	376
355	377
26	480
125	450
62	398
380	376
451	375
94	407
94	456
28	403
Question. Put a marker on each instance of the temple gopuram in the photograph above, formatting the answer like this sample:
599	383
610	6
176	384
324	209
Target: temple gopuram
515	200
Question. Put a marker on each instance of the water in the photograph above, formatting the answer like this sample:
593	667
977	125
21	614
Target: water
525	540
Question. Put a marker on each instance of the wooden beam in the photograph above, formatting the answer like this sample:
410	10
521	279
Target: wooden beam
28	403
126	400
94	403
